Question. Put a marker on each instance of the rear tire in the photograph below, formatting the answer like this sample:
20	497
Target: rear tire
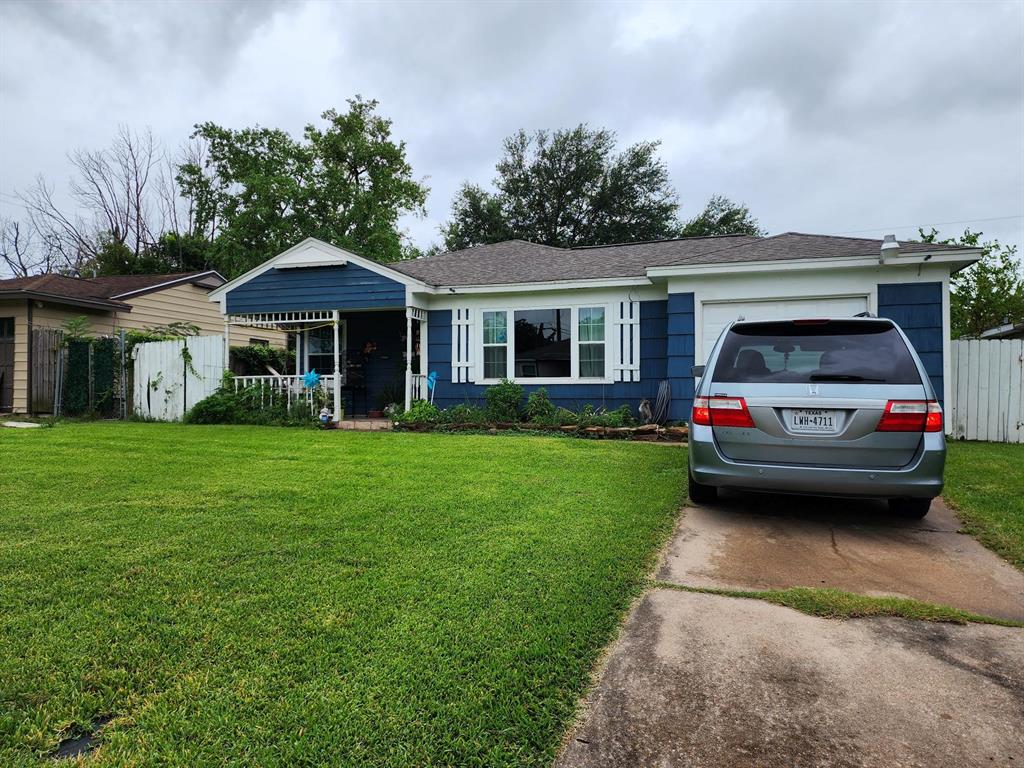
913	508
702	494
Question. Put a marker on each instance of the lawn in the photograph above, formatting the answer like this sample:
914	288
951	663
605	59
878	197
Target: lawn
261	596
985	483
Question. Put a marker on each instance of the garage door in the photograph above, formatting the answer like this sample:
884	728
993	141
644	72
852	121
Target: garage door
717	315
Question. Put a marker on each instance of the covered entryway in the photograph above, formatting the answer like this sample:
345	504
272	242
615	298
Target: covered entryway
717	315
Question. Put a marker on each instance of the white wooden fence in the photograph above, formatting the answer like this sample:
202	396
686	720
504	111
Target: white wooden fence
987	390
172	376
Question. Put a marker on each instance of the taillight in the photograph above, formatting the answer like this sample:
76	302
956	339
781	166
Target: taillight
721	412
911	416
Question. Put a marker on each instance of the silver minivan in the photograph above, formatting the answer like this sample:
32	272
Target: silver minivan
832	407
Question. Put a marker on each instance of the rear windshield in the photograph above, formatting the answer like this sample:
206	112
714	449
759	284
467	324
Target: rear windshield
837	351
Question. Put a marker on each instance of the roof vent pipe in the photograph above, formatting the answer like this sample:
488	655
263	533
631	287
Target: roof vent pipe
889	248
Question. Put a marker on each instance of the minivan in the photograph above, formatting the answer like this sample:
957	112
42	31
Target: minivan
831	407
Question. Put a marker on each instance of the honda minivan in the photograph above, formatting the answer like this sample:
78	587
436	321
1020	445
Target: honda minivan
832	407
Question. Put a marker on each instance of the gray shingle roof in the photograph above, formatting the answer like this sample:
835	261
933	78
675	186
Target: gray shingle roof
519	261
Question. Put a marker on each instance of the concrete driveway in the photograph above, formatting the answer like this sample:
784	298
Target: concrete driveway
759	541
708	680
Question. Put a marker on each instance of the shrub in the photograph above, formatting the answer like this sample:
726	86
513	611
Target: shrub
252	360
591	417
252	405
540	409
420	411
463	413
503	401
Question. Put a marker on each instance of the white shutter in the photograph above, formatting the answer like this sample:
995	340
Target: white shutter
626	340
462	346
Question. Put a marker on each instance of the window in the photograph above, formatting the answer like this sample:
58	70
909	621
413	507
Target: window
546	344
543	343
591	324
849	352
495	345
259	343
321	350
6	327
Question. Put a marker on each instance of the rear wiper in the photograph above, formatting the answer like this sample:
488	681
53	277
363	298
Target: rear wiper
841	377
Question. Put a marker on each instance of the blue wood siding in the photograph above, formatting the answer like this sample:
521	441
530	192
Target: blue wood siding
917	309
653	367
345	287
681	345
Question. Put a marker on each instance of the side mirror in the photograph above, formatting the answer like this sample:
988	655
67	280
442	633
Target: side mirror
697	371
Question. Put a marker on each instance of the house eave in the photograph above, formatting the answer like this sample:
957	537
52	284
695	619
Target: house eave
550	285
955	259
194	279
53	298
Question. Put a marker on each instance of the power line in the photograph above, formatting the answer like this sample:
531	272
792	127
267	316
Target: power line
927	224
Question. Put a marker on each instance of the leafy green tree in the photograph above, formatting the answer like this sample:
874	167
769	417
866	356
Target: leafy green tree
568	188
258	191
721	216
171	252
988	293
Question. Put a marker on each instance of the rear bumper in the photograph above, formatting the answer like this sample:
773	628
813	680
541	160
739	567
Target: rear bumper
920	479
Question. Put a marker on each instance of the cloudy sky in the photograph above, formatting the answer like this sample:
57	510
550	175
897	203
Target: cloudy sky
862	118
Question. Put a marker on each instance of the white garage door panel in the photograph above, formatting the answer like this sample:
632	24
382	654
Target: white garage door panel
717	315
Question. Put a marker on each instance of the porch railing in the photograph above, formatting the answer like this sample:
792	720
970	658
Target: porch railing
291	388
419	387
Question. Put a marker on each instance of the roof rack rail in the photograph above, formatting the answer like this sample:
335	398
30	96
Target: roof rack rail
866	314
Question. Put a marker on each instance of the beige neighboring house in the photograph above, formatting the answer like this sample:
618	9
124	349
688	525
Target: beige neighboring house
110	304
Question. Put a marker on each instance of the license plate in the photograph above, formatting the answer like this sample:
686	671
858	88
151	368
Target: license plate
814	420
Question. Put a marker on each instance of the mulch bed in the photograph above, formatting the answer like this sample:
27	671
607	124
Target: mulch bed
644	432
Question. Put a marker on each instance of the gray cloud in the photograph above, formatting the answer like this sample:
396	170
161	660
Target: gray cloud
823	117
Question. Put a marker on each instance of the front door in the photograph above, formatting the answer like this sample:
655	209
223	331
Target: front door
6	363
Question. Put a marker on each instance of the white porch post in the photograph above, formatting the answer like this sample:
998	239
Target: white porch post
337	368
408	359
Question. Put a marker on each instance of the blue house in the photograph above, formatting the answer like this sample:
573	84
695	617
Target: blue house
603	325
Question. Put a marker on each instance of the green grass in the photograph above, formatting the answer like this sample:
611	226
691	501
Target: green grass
985	484
261	596
839	604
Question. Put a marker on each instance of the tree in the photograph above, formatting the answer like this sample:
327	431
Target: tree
21	253
987	294
115	195
721	216
258	191
568	188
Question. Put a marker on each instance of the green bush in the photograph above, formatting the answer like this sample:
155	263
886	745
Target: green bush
464	413
503	401
420	411
254	359
253	405
591	417
540	409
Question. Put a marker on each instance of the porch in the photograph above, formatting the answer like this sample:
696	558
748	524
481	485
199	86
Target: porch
355	363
